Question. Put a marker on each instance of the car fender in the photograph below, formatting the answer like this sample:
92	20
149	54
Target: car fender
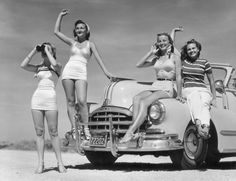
224	121
177	117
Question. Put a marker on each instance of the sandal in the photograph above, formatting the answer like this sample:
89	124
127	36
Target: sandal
204	131
128	137
87	134
40	169
73	133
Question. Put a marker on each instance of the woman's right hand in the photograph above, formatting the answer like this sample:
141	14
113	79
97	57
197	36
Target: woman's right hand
64	12
180	28
154	49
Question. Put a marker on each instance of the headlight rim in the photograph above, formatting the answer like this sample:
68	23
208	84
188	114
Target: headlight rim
162	113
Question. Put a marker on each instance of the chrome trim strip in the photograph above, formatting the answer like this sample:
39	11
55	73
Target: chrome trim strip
228	132
229	150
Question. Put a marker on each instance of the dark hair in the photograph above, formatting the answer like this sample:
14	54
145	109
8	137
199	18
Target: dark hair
170	41
52	47
184	54
87	28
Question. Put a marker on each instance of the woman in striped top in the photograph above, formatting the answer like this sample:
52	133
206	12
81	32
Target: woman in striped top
199	97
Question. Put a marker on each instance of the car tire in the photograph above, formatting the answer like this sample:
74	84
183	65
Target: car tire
213	156
98	158
195	150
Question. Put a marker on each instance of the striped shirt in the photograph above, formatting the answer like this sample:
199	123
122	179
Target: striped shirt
194	72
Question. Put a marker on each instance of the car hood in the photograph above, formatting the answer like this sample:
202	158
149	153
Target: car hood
121	93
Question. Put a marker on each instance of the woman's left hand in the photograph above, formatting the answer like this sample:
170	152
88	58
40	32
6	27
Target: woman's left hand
213	103
111	76
181	99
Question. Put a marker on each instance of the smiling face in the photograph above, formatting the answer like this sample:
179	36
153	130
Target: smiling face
163	42
192	51
80	30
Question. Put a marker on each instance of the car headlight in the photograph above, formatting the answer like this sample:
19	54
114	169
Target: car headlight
156	112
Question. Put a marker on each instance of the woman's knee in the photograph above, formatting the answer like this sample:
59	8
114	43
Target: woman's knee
137	99
40	132
71	102
82	103
53	132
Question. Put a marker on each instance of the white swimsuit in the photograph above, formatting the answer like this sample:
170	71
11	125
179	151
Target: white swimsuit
164	69
76	67
44	97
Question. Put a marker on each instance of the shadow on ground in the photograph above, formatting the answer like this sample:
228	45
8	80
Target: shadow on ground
130	167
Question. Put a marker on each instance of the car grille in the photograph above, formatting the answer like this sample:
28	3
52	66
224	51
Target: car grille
120	118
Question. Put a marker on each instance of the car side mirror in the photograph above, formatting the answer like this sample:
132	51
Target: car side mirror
219	85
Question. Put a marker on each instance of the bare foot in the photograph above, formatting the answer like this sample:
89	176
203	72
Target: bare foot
39	169
87	133
61	168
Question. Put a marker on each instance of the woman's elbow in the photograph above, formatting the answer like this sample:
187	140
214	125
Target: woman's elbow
22	66
138	65
56	32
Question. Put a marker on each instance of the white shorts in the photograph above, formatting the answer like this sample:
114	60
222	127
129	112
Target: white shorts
75	70
164	85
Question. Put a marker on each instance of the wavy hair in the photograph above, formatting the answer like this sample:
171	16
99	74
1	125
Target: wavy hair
87	28
170	41
184	54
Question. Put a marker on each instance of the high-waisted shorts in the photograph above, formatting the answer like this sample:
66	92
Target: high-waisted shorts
164	85
75	70
44	99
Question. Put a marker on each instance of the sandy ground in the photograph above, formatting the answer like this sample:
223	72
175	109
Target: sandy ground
20	165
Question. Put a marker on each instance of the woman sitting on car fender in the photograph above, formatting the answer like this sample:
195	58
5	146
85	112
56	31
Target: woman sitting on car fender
167	66
195	90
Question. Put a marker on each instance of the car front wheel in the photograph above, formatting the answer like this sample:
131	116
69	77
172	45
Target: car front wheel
194	152
98	158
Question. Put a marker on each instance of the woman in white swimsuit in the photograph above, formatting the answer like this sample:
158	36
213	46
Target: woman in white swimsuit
43	102
74	76
167	66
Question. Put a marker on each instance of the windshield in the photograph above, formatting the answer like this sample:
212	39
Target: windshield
218	74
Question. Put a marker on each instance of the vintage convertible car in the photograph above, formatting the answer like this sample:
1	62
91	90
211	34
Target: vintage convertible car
168	129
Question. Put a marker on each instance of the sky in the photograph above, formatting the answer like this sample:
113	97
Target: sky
123	31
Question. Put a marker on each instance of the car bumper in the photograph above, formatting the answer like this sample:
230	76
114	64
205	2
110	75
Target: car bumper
142	144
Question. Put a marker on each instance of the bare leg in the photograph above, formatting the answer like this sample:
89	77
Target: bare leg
69	88
81	93
38	117
52	120
144	103
136	102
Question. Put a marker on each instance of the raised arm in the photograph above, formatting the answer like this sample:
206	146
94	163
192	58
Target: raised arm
99	60
172	35
26	62
174	30
145	61
57	28
52	60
